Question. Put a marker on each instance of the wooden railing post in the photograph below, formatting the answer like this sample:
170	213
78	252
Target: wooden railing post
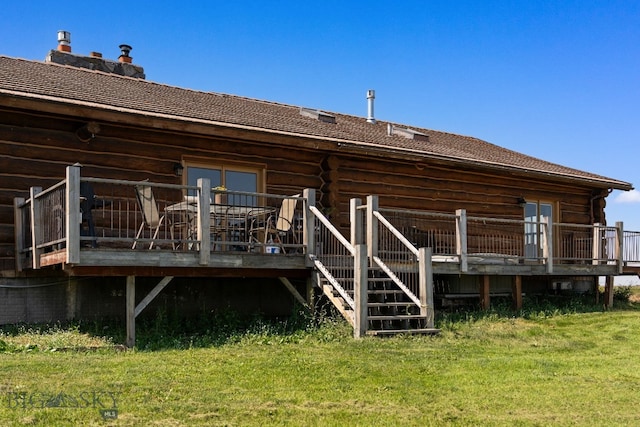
461	238
620	246
372	227
74	215
360	291
596	250
427	308
36	221
308	220
204	219
19	232
547	249
356	222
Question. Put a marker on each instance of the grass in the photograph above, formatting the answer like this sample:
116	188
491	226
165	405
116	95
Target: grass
571	365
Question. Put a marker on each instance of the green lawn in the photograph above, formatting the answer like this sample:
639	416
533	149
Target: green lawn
562	369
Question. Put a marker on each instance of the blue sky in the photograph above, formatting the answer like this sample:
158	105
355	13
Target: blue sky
559	80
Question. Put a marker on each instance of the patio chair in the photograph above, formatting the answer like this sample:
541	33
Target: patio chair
274	229
182	227
151	217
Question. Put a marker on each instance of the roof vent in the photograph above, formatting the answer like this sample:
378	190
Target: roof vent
64	41
406	133
371	95
318	115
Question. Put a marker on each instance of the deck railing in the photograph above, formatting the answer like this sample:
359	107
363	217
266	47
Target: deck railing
631	245
480	240
82	212
499	238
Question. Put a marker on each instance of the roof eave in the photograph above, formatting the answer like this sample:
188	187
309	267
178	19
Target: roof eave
340	144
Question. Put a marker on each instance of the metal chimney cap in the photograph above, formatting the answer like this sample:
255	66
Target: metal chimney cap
64	37
126	49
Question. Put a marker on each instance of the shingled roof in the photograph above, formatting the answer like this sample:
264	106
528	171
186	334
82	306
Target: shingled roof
76	86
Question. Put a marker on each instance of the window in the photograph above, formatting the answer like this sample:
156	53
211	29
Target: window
534	214
232	177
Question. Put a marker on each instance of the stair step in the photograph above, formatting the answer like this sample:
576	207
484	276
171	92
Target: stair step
391	304
384	291
369	280
395	317
418	331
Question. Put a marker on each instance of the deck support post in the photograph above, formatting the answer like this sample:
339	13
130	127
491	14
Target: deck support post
287	283
311	295
461	239
71	298
516	291
608	291
131	311
360	291
484	292
427	308
152	294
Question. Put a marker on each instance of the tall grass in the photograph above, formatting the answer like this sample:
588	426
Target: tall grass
571	365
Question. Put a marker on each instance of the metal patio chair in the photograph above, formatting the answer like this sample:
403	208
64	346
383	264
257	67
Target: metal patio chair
151	217
274	229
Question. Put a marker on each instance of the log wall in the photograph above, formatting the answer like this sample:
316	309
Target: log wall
36	148
440	189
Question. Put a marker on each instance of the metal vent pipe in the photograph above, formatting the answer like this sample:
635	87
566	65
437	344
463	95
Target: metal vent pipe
371	95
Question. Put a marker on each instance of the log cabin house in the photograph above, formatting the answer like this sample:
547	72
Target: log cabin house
119	194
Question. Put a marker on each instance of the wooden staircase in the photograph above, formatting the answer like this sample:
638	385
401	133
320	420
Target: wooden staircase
389	310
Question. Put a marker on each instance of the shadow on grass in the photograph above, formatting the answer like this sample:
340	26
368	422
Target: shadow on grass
167	330
538	306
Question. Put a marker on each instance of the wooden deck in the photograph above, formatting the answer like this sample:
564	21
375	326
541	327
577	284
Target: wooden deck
189	242
123	262
380	278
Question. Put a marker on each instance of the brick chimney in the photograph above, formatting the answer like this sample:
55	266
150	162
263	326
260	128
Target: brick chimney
124	57
123	67
64	41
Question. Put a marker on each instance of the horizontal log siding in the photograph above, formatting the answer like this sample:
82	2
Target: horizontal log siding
438	189
35	149
38	156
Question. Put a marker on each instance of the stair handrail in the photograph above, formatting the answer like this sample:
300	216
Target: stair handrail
397	280
324	269
332	229
396	233
376	216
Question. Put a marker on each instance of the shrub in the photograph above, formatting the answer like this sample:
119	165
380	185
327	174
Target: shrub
622	293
